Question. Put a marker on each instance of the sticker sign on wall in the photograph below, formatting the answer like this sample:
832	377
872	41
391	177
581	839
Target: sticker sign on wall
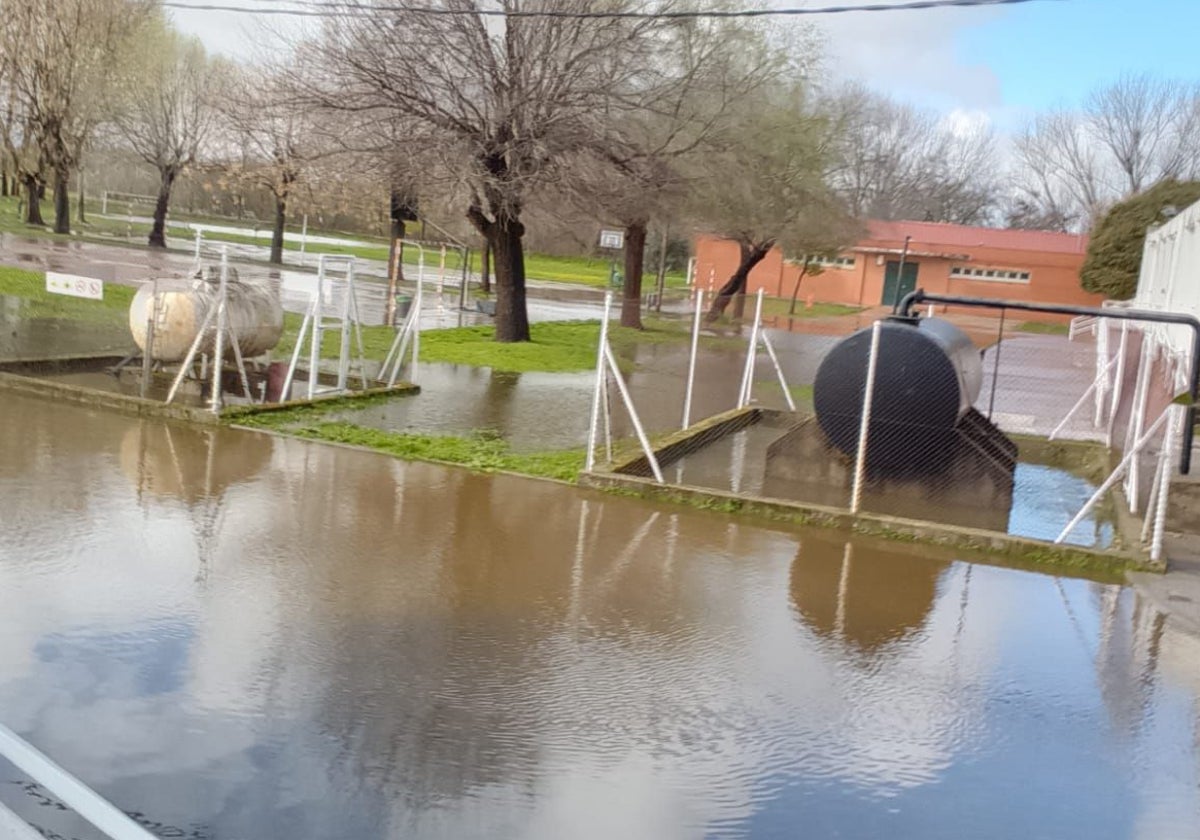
74	285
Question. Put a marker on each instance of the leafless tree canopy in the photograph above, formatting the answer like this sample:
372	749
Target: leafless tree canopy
170	112
64	68
503	100
1073	165
893	161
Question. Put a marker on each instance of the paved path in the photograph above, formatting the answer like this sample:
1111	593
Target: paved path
1176	593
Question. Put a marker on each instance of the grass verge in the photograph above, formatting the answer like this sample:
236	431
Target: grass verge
1042	328
481	451
31	286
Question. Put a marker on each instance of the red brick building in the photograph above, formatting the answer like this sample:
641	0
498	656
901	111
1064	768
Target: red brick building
1023	265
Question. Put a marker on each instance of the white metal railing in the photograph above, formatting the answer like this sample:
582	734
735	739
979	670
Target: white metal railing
1081	324
86	802
128	199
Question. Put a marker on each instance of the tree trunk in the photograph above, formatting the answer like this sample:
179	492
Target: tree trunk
158	233
276	257
512	318
62	202
485	266
81	214
635	255
4	184
33	203
796	288
751	255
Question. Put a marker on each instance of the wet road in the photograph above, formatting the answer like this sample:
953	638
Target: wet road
238	636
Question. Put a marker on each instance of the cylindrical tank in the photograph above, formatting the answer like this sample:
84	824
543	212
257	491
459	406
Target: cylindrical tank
928	376
254	315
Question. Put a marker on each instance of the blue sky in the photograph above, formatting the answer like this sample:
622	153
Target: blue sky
1001	63
1055	51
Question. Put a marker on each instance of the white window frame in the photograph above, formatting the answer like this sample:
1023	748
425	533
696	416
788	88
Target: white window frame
991	275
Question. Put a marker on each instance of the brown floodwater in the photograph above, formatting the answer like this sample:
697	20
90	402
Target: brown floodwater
238	636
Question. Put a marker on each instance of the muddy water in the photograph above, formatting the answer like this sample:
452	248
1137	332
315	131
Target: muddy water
551	410
237	636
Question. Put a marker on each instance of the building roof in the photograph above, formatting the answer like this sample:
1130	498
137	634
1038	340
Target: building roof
945	234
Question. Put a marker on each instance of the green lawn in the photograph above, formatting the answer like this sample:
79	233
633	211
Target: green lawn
31	285
1042	328
585	271
773	306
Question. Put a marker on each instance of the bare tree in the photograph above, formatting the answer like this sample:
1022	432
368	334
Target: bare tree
503	99
64	63
893	161
1073	165
271	142
170	115
1149	128
772	187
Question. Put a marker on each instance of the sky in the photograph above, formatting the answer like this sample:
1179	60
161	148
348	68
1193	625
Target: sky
994	64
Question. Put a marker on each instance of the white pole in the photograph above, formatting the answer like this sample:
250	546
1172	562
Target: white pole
218	345
199	240
860	457
314	350
787	394
344	345
1116	391
1138	419
1103	365
606	409
286	393
633	415
751	354
1113	477
1164	489
82	799
441	283
1094	388
691	375
303	237
590	460
1163	459
417	304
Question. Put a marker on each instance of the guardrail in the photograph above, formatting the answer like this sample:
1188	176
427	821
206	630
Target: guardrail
82	799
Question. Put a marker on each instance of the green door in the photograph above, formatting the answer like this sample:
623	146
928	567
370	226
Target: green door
895	286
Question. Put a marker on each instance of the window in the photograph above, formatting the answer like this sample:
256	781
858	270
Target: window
828	262
991	275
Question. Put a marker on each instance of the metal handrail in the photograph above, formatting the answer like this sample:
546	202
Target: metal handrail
82	799
905	305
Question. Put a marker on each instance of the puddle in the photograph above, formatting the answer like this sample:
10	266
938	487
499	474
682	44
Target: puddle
236	635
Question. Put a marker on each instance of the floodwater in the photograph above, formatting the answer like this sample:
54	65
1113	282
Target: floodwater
238	636
1044	498
536	411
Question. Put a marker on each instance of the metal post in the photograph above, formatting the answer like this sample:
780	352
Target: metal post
996	365
590	460
462	287
662	271
1164	489
860	456
104	202
148	350
219	343
441	283
199	242
417	303
344	345
1163	462
751	353
286	392
314	350
606	410
1103	366
691	375
1117	381
303	237
633	415
787	394
1138	446
1137	420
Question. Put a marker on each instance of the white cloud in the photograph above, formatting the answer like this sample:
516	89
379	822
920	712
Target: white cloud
912	55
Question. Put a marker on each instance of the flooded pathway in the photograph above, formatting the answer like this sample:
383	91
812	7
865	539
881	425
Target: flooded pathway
239	636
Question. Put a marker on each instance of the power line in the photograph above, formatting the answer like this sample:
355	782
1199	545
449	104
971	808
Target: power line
351	10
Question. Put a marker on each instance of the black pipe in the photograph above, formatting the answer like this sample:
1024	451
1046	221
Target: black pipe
905	304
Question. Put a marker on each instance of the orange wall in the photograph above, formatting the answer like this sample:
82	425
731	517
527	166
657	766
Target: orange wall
1054	277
